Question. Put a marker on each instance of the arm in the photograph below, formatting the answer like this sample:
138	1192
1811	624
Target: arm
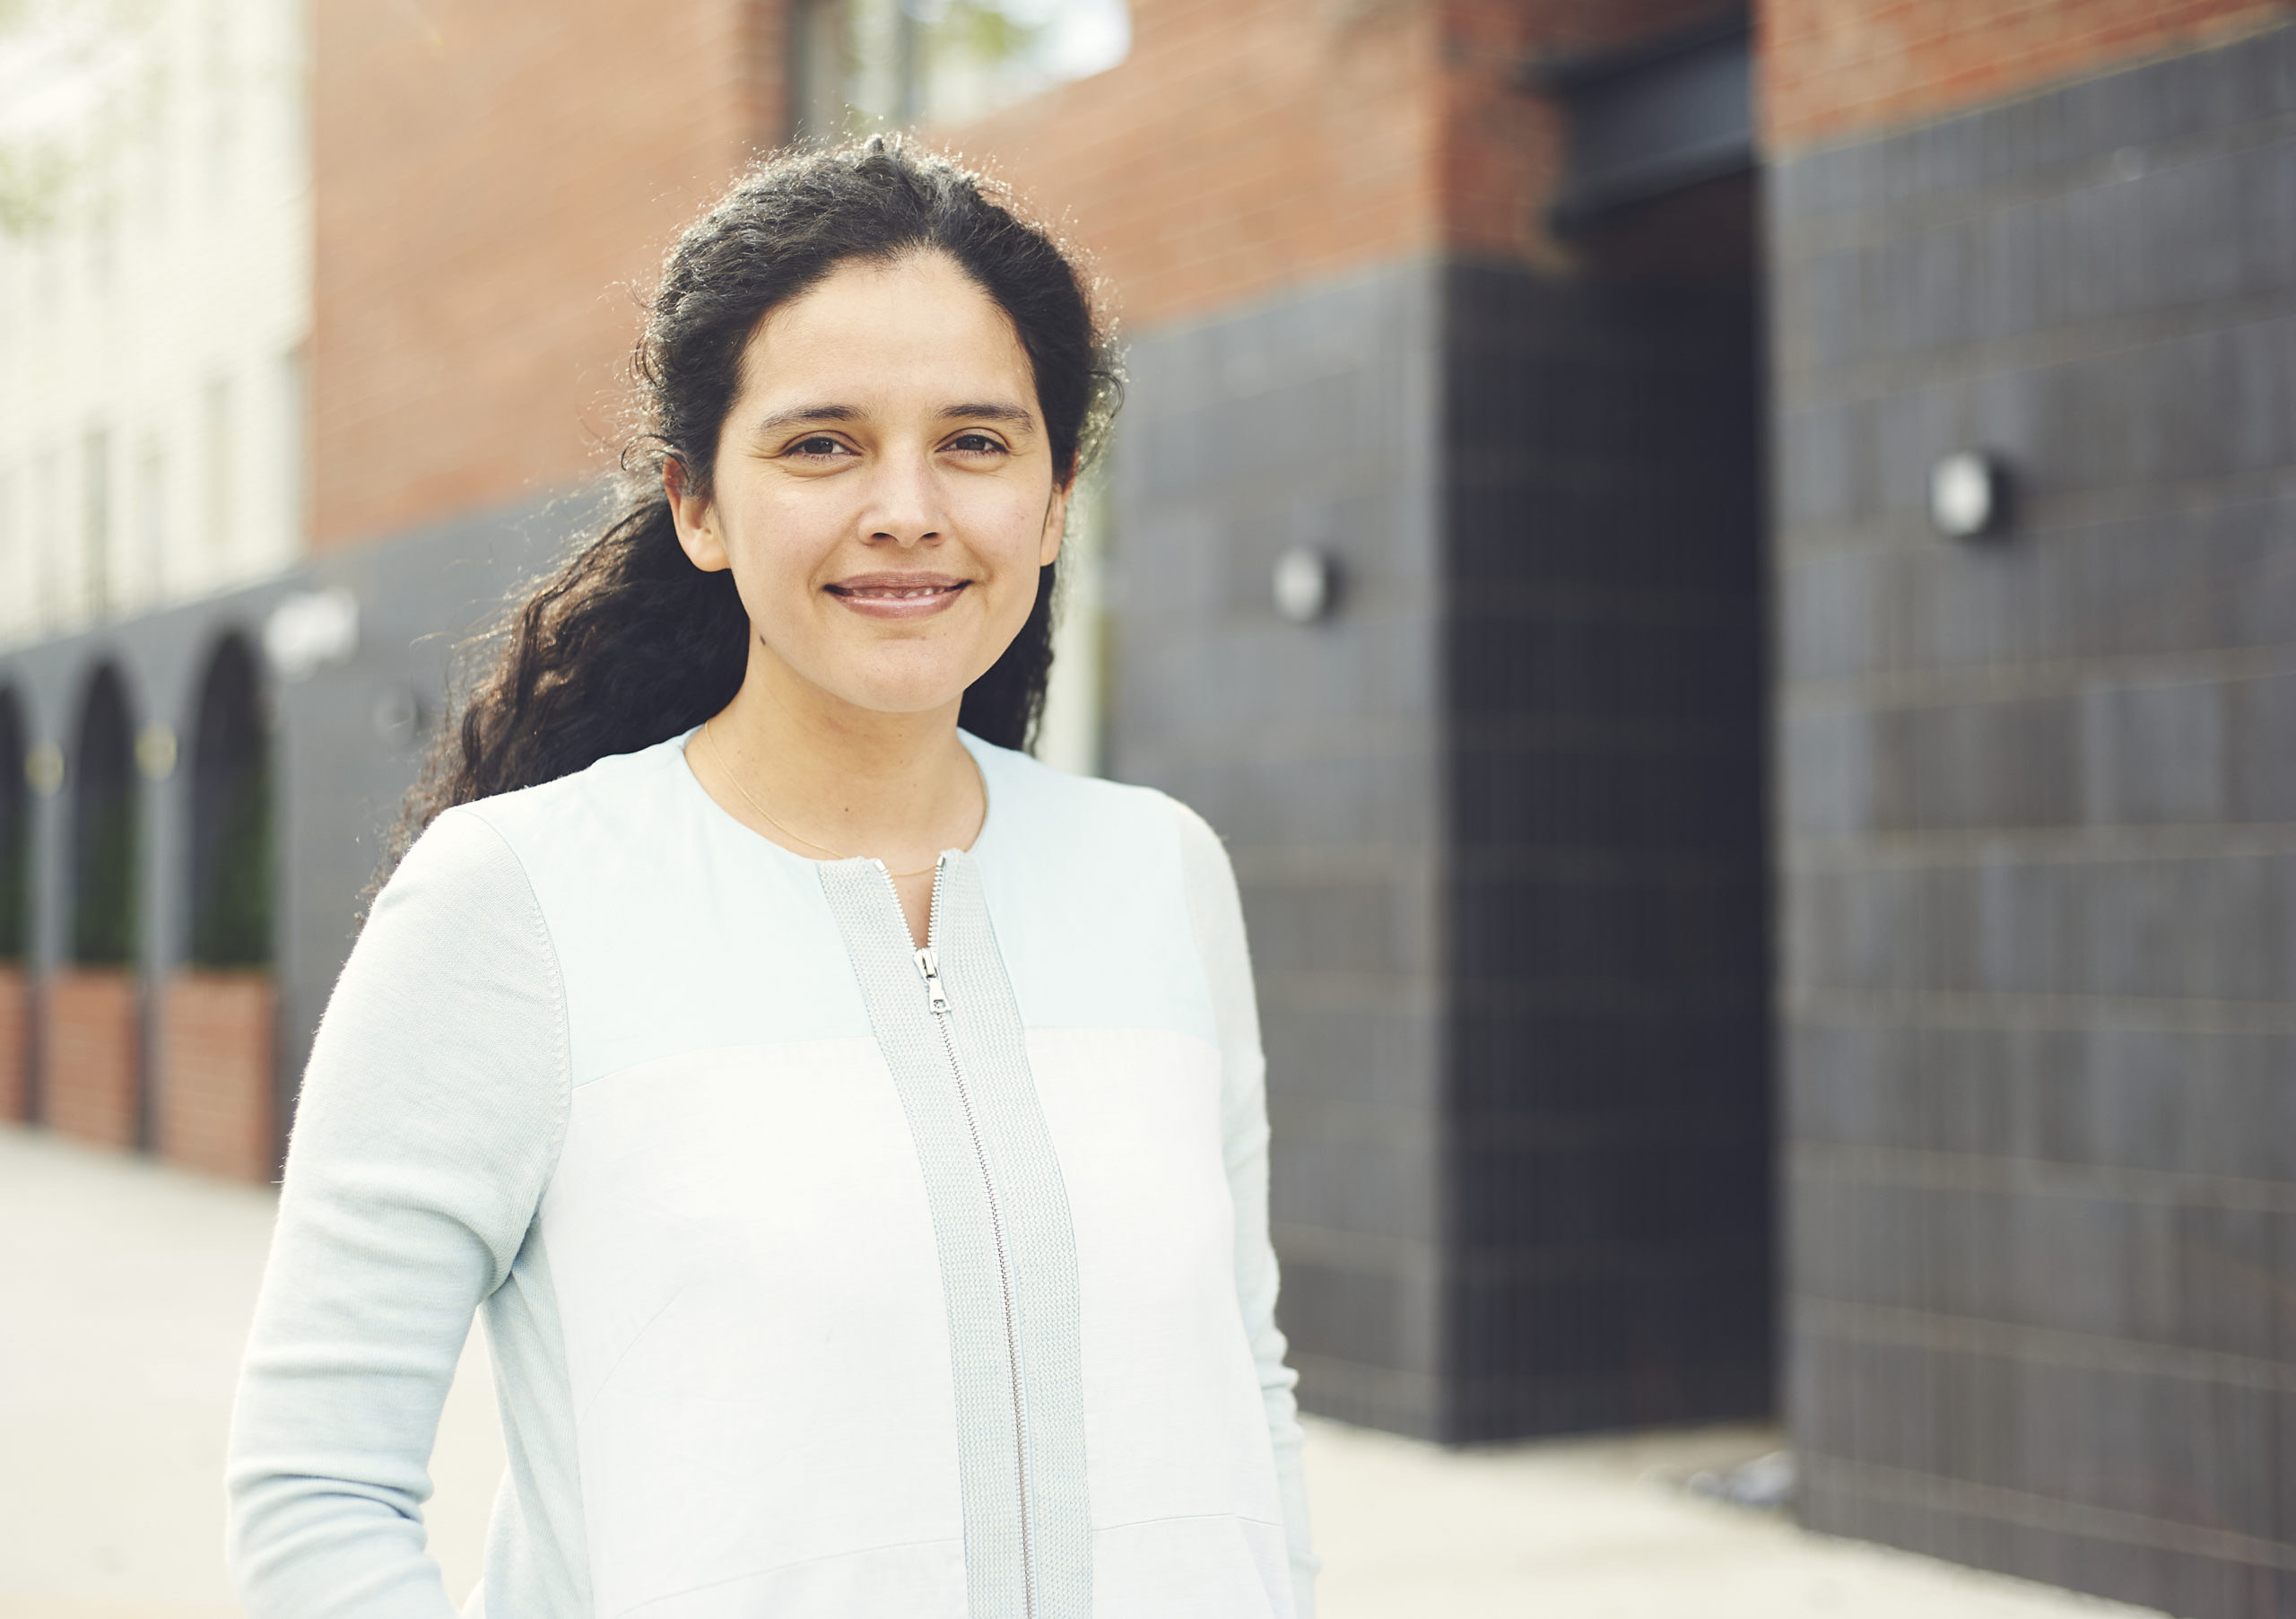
1219	917
430	1121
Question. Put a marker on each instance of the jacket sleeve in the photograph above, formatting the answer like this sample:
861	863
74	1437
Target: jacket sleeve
1218	915
430	1121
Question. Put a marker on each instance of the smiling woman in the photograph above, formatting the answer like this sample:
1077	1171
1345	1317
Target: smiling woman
885	496
729	1036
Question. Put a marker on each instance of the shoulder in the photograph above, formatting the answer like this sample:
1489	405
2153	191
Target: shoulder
605	797
509	859
1087	813
459	862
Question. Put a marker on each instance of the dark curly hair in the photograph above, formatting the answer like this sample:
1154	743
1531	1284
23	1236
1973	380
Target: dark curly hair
628	643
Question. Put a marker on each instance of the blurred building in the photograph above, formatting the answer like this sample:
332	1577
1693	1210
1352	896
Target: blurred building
1694	557
155	258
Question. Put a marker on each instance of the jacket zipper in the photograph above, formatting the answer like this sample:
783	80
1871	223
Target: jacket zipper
937	1002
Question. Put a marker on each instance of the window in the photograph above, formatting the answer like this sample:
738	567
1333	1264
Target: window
15	572
223	122
292	493
152	520
95	520
46	543
864	65
103	250
216	451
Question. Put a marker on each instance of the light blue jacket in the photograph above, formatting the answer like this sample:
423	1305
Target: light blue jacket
825	1277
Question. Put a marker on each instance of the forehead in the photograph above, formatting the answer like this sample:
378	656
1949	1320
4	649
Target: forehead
873	328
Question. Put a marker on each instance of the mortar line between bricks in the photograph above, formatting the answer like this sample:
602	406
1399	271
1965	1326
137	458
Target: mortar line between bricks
1963	847
1929	1171
2048	1346
2003	681
1906	1488
1850	1006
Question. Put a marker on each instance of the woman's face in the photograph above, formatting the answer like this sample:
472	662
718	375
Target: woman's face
885	491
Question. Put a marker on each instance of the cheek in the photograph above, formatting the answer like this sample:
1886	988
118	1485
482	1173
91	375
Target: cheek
1005	525
781	540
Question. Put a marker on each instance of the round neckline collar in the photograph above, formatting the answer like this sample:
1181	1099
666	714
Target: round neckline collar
972	745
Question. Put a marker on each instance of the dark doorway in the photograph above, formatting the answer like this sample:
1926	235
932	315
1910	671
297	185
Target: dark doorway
1612	1161
232	864
105	901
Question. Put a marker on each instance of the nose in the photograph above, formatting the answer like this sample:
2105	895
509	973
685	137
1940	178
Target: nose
904	507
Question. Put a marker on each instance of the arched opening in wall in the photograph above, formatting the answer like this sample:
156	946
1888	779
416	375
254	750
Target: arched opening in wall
92	1053
231	816
16	913
214	1089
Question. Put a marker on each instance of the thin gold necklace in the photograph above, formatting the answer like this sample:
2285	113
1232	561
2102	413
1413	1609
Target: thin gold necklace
751	799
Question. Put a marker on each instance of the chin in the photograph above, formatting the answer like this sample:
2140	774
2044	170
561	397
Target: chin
883	696
910	685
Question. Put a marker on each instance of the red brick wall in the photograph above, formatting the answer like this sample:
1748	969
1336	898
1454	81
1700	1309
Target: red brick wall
1503	149
16	1025
1241	145
1245	145
89	1057
1832	69
495	186
489	182
214	1091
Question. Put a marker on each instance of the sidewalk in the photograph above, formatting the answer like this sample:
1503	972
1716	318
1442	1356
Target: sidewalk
126	1288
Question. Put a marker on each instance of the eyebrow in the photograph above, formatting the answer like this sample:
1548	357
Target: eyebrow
1012	415
806	415
803	414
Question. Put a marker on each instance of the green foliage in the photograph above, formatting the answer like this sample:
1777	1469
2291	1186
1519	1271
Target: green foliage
986	32
104	899
231	919
72	38
31	186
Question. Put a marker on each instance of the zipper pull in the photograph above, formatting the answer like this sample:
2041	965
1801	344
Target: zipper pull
930	966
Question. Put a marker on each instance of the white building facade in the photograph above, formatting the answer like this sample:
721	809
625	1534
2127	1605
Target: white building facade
155	296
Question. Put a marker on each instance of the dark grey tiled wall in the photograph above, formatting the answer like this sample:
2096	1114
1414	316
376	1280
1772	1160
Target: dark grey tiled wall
1315	751
1609	1170
2038	832
1497	823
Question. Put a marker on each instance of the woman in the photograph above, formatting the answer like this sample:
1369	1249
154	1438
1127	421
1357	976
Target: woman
852	1131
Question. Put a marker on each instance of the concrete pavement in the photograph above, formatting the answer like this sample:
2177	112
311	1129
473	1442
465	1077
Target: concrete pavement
126	1290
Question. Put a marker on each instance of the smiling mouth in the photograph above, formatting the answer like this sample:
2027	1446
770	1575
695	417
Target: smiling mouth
895	593
898	597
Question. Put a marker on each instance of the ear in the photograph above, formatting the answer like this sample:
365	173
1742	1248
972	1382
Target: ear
696	520
1055	525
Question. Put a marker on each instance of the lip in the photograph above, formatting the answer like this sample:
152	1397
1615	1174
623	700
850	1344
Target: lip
898	596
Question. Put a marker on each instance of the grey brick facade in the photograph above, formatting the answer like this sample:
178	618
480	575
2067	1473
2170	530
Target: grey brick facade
1498	823
1316	750
2038	833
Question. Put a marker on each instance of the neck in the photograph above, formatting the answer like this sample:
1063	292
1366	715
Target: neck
823	777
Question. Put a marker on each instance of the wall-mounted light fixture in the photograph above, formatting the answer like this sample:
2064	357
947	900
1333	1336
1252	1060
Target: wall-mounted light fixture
1969	495
398	716
1307	585
155	752
44	769
310	630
